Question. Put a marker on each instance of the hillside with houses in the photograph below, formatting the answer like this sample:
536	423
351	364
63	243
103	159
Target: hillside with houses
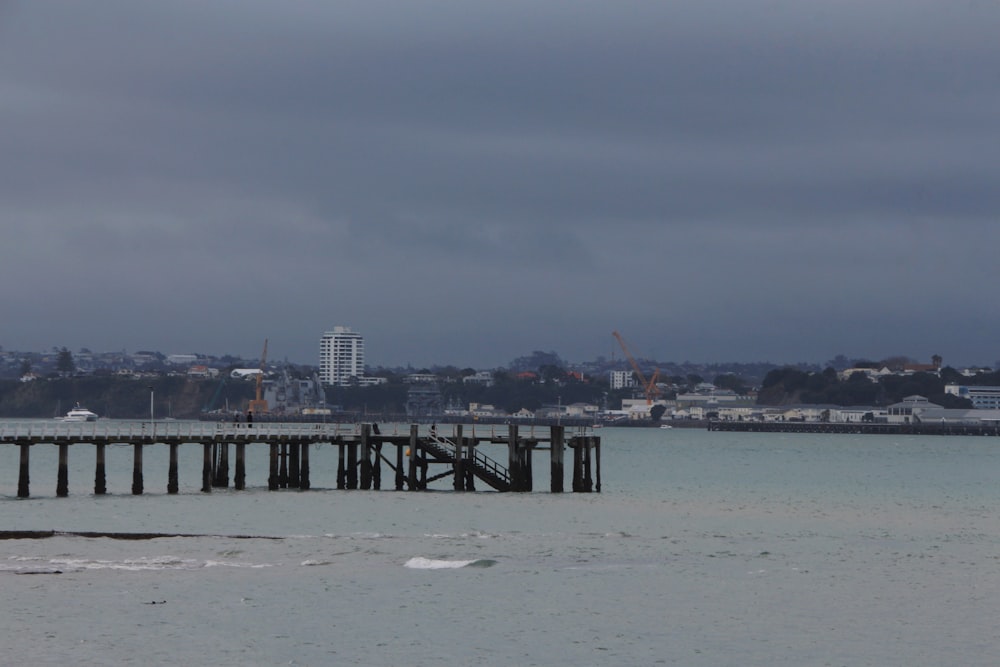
539	387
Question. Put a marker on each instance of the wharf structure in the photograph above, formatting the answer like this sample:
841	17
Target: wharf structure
359	461
884	428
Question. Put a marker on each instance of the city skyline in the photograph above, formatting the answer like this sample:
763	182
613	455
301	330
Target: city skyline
743	180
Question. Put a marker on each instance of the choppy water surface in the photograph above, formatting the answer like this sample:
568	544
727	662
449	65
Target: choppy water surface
704	549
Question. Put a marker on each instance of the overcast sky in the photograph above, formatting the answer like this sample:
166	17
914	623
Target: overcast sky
466	182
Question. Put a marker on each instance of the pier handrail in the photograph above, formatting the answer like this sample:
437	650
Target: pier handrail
179	431
480	460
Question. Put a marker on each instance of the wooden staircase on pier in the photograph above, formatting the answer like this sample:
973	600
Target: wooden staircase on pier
442	450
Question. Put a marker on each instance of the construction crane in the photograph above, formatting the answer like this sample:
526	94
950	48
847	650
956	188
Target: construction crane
258	405
648	386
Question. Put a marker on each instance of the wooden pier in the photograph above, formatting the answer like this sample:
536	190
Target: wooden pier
419	458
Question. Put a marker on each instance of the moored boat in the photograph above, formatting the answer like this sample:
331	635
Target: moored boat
80	414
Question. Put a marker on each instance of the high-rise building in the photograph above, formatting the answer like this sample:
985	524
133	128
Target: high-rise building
341	356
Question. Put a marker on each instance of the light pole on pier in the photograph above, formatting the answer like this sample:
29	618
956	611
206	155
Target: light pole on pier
152	420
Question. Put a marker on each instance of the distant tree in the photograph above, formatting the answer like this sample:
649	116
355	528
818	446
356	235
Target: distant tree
839	362
65	363
25	368
551	373
936	360
950	376
730	381
536	360
656	412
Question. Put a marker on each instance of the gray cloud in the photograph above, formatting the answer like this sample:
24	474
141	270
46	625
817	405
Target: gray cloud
465	183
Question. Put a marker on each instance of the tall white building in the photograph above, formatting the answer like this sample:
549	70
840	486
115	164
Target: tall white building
622	379
341	356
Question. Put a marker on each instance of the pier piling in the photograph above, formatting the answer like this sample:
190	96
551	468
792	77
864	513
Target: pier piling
23	478
240	479
341	468
294	471
206	468
459	473
62	481
172	486
100	476
137	469
272	476
283	466
304	482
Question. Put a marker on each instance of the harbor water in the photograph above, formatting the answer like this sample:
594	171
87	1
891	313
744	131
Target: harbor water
711	549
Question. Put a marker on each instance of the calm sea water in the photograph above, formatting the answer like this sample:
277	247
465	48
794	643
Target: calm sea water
704	549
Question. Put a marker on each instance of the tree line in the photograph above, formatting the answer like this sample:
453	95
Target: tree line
786	386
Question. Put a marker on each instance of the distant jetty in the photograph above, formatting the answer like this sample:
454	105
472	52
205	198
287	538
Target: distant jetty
920	428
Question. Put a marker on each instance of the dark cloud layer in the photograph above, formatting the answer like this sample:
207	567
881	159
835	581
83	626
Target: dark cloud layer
466	182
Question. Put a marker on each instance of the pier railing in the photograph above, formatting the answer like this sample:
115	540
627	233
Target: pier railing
169	431
485	468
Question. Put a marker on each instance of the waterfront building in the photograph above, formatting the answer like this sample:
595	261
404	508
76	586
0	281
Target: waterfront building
341	356
983	398
910	409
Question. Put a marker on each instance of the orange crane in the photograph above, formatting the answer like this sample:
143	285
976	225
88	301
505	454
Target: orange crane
259	405
648	386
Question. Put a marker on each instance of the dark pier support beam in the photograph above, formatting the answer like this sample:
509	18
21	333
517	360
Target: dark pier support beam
23	478
137	469
366	457
341	468
526	466
422	452
459	480
470	462
172	485
557	442
222	472
62	479
100	474
240	478
294	472
272	475
283	466
304	482
588	480
597	455
206	468
577	465
400	475
513	459
377	465
352	465
413	457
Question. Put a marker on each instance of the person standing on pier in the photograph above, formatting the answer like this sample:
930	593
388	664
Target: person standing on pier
249	418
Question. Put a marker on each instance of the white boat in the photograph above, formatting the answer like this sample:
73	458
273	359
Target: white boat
80	414
665	426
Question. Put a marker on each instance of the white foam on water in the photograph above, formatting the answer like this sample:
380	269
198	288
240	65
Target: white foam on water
420	563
